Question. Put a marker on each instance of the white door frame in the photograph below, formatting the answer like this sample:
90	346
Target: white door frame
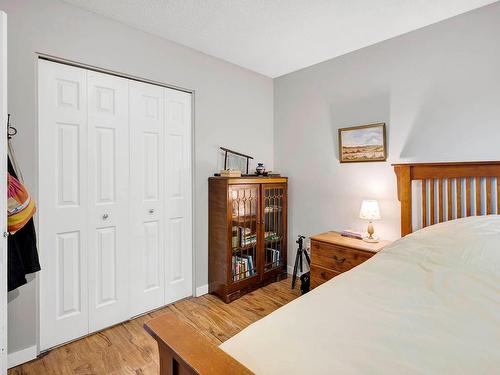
3	193
40	55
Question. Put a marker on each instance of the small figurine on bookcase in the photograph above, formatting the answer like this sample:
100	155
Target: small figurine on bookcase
260	170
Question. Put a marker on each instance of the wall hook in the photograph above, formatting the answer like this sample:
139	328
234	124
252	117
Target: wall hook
11	131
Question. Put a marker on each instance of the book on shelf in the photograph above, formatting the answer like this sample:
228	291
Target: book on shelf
245	231
274	255
247	237
249	263
235	237
352	234
271	236
249	240
274	208
237	269
243	267
245	210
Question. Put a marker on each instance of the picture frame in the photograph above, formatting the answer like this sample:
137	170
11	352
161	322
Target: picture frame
363	143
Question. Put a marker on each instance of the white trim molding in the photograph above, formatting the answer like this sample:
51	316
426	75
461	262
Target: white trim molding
3	193
21	356
290	270
201	290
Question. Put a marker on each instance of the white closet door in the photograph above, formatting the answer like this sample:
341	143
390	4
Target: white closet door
147	192
108	187
115	200
63	203
178	255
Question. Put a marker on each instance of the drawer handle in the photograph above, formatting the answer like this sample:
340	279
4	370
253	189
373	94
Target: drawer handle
151	211
105	216
335	258
323	275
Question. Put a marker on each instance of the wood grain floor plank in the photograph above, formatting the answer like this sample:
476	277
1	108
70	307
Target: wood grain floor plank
127	349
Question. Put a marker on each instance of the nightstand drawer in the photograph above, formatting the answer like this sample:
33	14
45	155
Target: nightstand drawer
319	275
337	258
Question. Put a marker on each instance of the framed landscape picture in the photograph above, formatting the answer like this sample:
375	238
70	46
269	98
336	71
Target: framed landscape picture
362	143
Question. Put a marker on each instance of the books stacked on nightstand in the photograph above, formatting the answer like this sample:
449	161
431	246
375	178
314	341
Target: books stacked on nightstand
352	234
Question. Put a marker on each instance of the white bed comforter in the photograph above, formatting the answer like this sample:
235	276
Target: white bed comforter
427	304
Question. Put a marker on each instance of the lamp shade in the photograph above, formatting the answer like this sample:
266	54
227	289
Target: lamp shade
369	210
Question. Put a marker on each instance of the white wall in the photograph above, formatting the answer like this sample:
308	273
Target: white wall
438	90
234	106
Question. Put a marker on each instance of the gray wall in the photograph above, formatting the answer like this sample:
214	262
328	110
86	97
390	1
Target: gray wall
438	90
234	106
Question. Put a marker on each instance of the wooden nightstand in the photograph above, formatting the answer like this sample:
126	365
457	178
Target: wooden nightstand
332	254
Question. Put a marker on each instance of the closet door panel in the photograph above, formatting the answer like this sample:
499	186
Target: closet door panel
63	203
178	254
147	203
108	187
115	200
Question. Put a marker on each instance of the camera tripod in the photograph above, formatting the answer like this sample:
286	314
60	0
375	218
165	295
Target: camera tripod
298	259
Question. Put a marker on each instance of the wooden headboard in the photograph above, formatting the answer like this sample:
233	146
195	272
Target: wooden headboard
447	191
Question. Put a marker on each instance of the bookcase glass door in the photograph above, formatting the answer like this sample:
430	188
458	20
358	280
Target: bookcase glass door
274	226
245	216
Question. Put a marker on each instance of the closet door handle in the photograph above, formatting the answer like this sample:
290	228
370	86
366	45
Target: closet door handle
105	216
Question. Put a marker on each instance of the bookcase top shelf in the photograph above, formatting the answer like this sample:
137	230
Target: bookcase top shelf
251	179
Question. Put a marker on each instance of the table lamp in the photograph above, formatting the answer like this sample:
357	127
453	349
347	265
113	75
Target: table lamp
370	211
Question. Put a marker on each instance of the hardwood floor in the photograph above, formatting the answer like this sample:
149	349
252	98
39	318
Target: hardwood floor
127	349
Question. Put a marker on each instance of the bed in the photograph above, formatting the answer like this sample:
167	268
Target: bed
429	303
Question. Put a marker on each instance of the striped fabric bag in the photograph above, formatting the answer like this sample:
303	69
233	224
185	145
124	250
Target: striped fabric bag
20	206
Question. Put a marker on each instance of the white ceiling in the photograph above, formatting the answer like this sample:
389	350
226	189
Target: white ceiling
275	37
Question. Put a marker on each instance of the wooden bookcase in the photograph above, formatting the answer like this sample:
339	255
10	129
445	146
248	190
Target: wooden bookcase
247	240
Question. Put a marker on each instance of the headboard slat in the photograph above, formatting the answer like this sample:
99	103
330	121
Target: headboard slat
441	200
424	203
488	195
448	201
467	195
459	197
478	196
433	202
448	196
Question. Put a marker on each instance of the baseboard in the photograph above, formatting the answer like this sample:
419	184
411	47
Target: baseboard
201	290
21	356
289	270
